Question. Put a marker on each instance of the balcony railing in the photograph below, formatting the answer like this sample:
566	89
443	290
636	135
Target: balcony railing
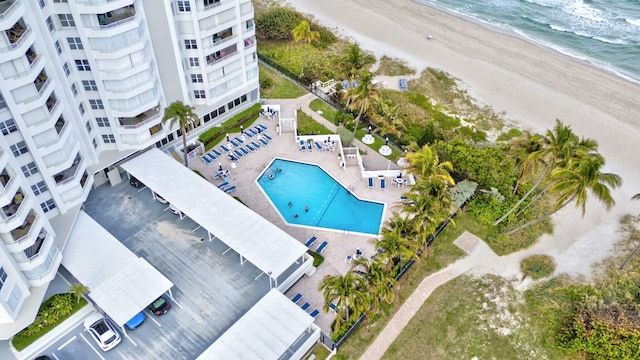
211	4
6	184
32	65
10	10
10	211
116	18
94	2
17	43
69	174
24	231
140	120
33	251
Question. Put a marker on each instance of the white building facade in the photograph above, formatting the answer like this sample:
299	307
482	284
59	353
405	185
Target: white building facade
83	84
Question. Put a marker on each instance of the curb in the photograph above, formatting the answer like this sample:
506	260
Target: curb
49	338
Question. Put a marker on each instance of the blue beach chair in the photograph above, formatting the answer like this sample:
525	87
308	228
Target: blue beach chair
255	145
383	184
315	313
267	136
206	159
305	306
238	153
321	247
264	142
296	299
216	152
244	150
230	189
310	241
263	127
224	148
370	183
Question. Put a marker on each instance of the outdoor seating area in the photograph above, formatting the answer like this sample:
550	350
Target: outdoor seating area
249	141
270	113
296	300
403	84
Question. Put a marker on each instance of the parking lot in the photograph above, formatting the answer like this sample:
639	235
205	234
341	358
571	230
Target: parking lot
212	289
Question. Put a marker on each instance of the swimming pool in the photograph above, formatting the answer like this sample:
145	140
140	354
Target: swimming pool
304	194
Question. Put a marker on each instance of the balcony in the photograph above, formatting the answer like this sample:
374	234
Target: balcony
219	37
68	174
250	25
24	231
16	39
7	9
33	251
222	54
249	42
7	179
10	210
210	4
141	119
51	103
155	129
116	17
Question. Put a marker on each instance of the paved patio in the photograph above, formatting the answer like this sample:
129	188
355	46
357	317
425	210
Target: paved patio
285	146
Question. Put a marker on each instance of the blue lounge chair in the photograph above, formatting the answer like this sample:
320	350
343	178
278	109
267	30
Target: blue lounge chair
248	133
268	137
345	84
315	313
370	183
222	185
332	307
318	145
296	298
238	153
235	142
310	241
302	147
244	150
251	148
224	148
210	156
264	142
232	158
263	127
321	247
383	184
239	140
404	198
216	152
254	131
255	145
230	189
206	159
305	306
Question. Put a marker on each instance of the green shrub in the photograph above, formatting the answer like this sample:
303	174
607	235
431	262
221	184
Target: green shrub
538	266
266	83
277	23
51	313
213	135
317	258
342	117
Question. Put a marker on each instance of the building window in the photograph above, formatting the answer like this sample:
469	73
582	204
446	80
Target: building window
19	148
60	1
90	85
3	277
48	205
95	143
83	65
29	169
41	3
65	67
66	20
81	109
88	126
196	78
3	104
58	47
75	43
96	104
108	139
183	6
221	110
102	121
211	2
199	94
194	62
74	89
8	127
50	24
39	188
14	297
190	44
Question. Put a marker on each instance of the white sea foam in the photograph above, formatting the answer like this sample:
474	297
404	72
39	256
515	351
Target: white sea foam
610	41
635	22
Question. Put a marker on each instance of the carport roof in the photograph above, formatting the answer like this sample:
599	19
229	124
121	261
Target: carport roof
263	244
121	283
266	331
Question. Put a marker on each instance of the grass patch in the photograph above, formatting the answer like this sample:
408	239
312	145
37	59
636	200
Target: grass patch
21	340
281	88
394	67
471	318
441	253
395	153
319	351
538	266
308	126
328	111
511	134
317	258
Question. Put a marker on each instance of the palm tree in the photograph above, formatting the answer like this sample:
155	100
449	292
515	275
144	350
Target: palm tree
405	225
379	282
393	246
573	183
353	60
348	293
386	118
78	290
430	203
362	96
426	165
636	197
182	115
303	32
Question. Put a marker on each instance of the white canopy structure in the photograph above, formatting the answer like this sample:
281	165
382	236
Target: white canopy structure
119	282
254	238
274	328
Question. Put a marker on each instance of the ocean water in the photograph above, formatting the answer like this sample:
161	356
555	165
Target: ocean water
605	33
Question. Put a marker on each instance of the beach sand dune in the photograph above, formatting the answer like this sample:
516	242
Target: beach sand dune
532	85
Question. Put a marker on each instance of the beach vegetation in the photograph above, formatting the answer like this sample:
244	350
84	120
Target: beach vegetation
538	266
302	32
362	97
394	67
308	126
353	60
280	87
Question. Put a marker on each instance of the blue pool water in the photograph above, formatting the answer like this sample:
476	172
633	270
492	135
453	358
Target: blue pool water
292	186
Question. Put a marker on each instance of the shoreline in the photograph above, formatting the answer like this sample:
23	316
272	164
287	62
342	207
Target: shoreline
530	84
517	34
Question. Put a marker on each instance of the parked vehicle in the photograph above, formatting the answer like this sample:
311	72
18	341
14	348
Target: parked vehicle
135	321
105	335
174	209
135	182
160	306
160	199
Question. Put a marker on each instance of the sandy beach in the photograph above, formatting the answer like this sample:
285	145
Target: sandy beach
532	85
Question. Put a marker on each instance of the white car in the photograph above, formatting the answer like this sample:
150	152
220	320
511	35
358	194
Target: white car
105	335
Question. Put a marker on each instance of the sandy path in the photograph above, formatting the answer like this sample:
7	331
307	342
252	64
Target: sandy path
533	86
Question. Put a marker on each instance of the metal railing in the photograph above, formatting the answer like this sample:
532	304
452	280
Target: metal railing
141	123
12	8
33	64
18	42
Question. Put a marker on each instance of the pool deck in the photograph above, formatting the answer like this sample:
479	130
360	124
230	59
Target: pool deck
340	244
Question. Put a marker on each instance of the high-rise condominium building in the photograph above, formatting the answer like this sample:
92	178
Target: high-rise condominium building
83	84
